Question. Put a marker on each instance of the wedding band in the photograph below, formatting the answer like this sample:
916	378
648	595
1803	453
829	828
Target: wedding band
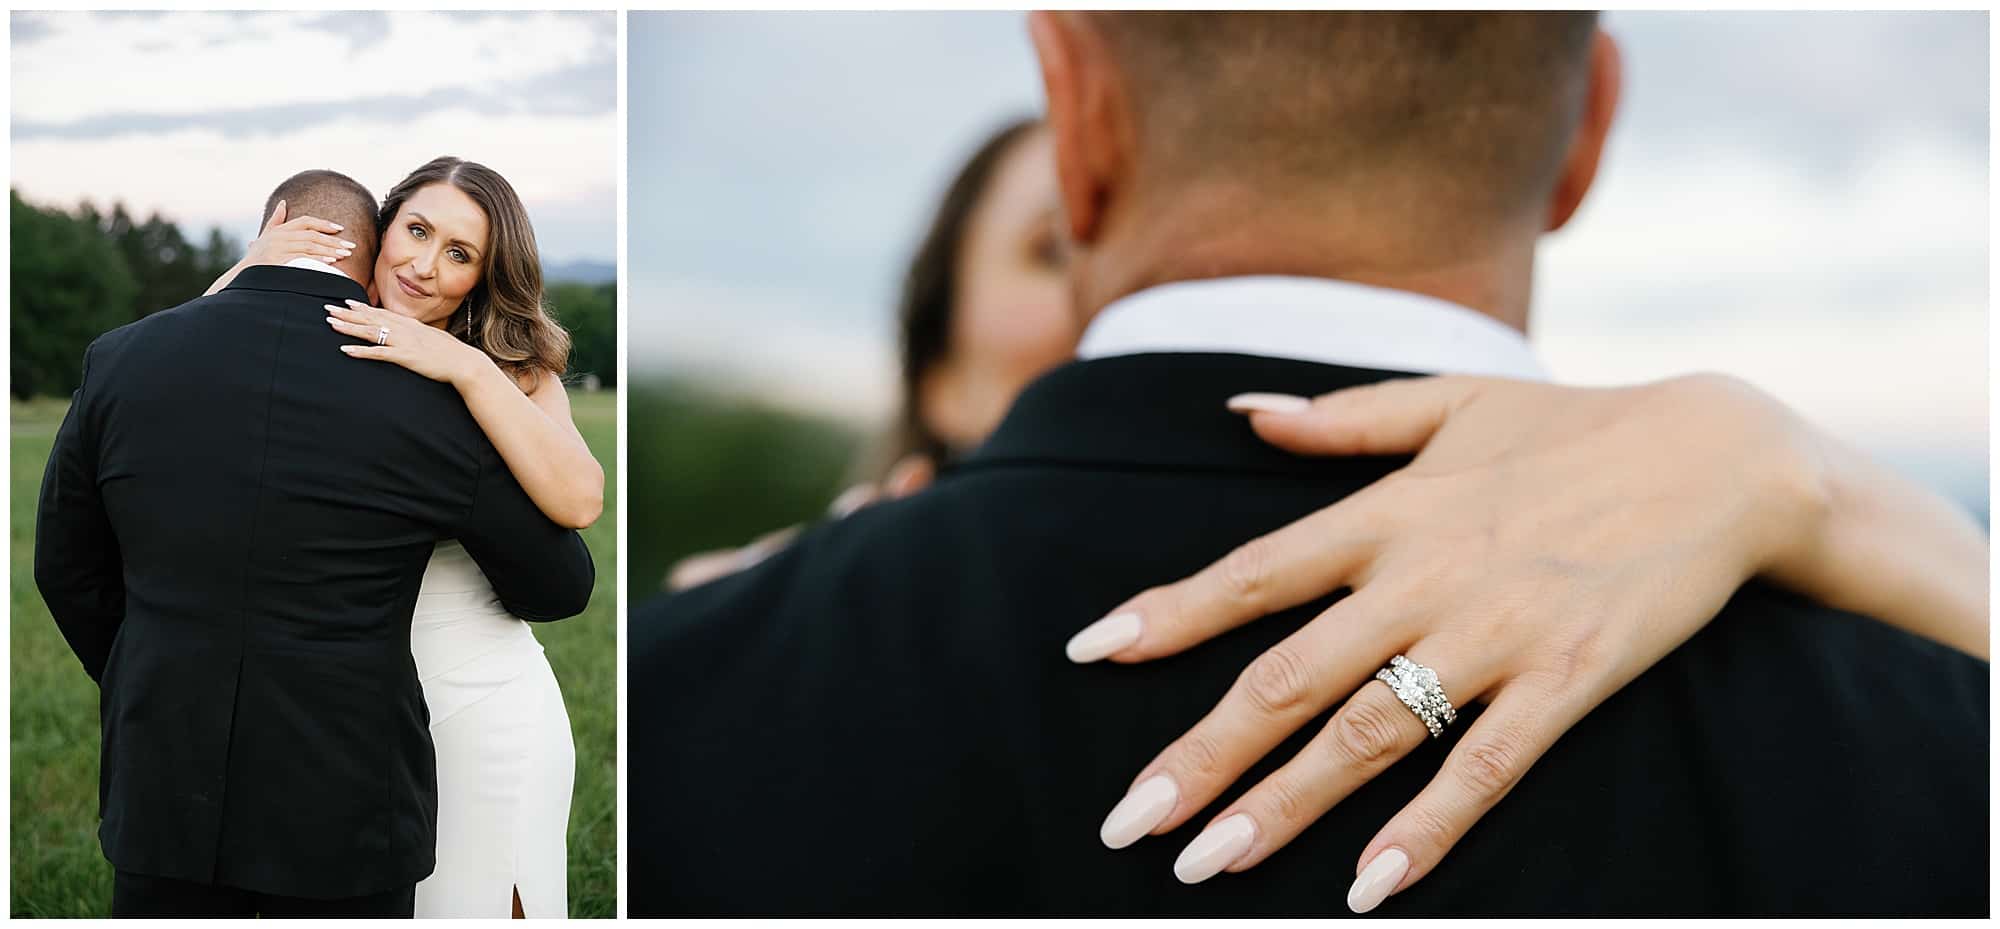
1418	688
382	335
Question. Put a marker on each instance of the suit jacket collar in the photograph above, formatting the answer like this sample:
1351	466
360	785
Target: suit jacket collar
1165	411
330	287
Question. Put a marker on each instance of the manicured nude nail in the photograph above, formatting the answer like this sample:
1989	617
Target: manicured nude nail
346	244
1140	811
336	226
1268	403
851	499
1215	848
1377	880
1104	638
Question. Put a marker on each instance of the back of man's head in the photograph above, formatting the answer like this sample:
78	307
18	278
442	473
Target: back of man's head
1377	146
1474	110
335	197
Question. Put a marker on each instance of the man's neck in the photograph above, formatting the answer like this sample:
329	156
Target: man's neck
343	269
1202	236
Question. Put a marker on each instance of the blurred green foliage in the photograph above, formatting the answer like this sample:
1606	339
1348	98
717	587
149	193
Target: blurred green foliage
590	313
710	471
168	267
71	281
80	273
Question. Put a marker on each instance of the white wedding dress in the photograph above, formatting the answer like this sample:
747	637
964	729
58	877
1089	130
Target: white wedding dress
505	759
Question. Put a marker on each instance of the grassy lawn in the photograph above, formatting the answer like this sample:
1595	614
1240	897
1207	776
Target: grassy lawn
58	869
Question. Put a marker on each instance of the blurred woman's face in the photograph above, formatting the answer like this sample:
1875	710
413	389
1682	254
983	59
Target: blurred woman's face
432	253
1011	318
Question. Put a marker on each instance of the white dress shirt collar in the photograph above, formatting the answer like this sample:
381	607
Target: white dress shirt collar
315	264
1311	319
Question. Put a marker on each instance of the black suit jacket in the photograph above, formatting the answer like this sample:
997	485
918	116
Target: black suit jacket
233	527
880	719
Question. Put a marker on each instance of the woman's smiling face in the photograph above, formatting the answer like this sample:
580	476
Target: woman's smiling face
432	255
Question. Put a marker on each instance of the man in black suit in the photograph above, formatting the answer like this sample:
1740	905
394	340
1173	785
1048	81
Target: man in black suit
233	528
880	718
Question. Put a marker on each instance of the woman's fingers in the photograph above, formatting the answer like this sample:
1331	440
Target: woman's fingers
363	331
1310	558
373	352
1370	732
910	474
362	324
329	241
852	499
283	239
702	567
1516	729
319	245
1388	418
312	223
1282	690
363	316
354	312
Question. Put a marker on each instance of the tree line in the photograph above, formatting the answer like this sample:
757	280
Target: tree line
80	273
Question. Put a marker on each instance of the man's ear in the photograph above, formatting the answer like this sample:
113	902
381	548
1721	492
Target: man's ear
1587	146
1086	124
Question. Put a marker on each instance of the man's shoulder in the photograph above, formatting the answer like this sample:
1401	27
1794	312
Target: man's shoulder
864	570
138	334
110	345
227	296
1806	657
761	587
1790	618
184	312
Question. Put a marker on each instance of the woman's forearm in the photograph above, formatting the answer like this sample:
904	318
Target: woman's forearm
227	276
547	457
1898	552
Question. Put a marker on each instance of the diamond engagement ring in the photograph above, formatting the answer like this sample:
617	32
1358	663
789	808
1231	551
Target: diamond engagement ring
382	335
1418	688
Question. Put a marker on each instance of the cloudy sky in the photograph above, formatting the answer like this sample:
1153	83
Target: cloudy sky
199	115
1796	198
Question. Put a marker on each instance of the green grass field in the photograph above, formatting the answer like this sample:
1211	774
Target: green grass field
58	869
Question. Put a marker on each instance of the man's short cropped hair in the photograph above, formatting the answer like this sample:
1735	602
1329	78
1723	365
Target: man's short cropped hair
329	195
1474	108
